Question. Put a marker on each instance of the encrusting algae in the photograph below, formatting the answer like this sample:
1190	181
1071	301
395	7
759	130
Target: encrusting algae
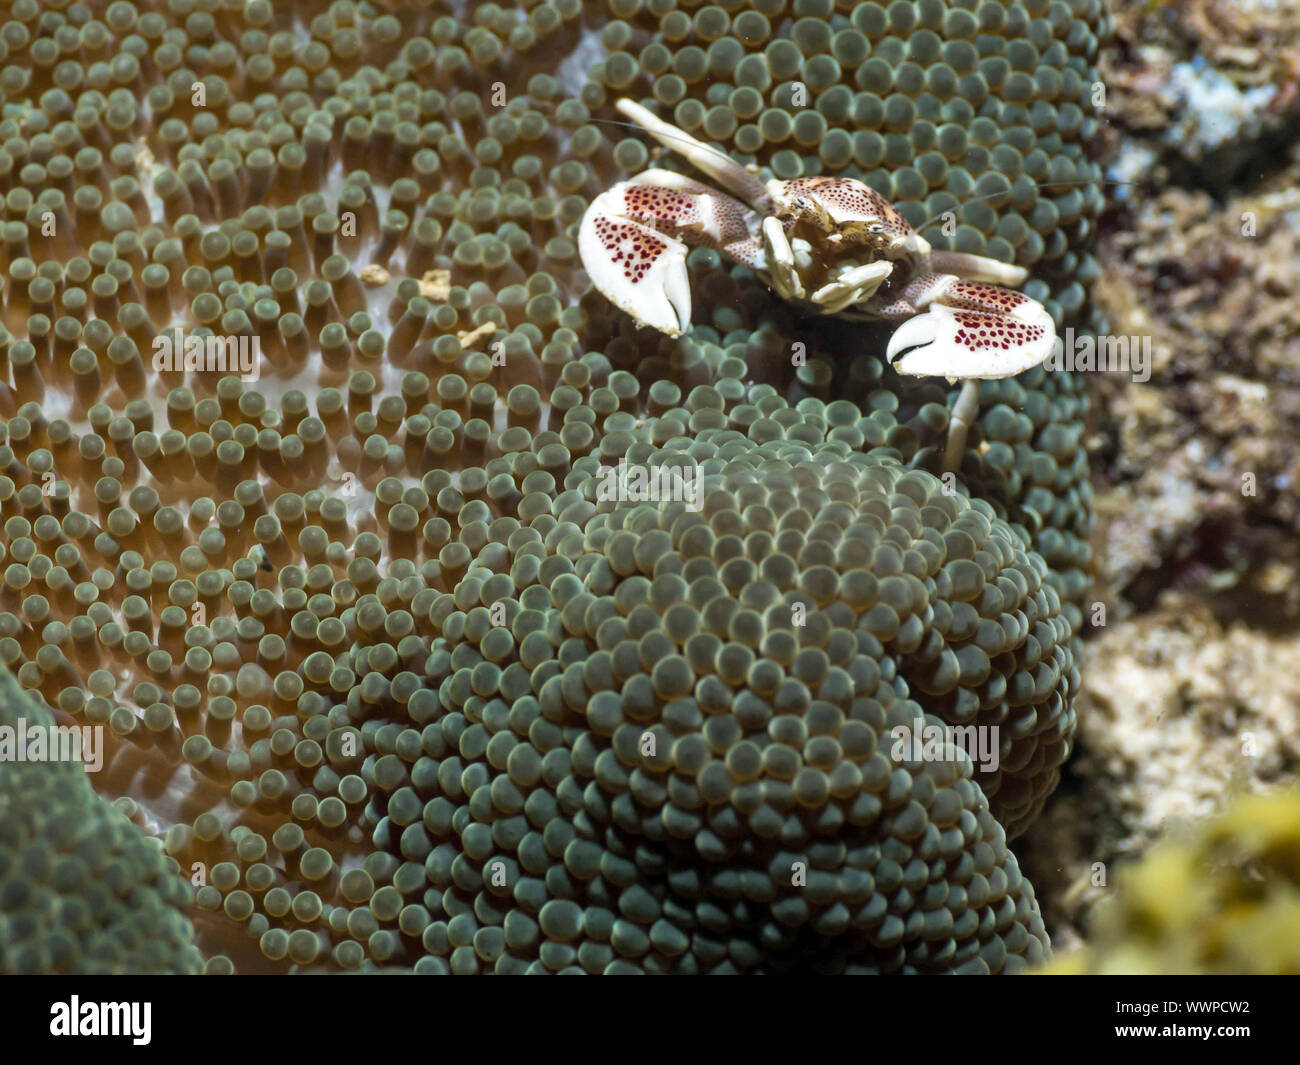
384	681
1222	897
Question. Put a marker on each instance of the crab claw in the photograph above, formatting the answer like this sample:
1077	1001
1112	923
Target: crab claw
953	342
638	269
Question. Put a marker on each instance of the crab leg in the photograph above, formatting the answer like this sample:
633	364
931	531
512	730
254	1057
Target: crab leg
965	329
731	175
633	242
977	268
964	413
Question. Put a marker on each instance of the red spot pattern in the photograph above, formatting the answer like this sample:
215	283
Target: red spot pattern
980	296
991	331
853	197
660	207
630	245
924	288
682	214
748	252
899	309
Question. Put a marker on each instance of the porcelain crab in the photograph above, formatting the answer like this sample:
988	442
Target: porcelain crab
832	245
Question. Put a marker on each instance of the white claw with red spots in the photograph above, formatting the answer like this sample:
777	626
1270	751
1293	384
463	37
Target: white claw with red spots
634	240
639	270
970	329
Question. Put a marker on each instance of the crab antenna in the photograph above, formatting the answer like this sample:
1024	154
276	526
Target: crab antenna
727	172
1007	192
